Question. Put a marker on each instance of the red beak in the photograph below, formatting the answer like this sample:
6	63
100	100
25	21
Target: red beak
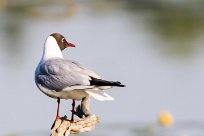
71	45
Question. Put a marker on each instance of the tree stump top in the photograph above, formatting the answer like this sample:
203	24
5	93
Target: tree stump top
64	127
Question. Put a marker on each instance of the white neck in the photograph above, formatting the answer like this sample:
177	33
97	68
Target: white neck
51	49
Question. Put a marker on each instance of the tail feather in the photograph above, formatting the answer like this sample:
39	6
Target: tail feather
101	82
100	95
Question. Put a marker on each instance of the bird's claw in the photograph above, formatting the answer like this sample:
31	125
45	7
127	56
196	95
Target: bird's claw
81	113
58	117
73	111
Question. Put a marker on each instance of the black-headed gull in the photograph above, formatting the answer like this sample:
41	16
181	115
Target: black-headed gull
66	79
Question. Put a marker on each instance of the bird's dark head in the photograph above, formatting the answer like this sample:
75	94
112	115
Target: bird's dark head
61	41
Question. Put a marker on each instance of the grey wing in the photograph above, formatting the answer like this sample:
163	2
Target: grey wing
57	74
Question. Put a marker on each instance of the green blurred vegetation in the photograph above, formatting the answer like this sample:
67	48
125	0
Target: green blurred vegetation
177	23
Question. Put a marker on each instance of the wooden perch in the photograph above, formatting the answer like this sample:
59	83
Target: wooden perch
64	127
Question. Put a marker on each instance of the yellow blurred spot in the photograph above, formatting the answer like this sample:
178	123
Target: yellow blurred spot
166	119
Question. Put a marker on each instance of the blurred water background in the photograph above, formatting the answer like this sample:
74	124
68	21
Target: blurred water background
155	47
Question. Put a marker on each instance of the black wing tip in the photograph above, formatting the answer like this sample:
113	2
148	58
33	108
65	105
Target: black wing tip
119	84
101	82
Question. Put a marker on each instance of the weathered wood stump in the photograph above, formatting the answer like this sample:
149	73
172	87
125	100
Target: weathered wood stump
64	127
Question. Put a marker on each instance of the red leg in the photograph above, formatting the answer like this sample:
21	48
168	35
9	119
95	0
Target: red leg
58	108
73	109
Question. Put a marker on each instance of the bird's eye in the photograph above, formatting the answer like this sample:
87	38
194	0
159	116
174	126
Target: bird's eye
63	40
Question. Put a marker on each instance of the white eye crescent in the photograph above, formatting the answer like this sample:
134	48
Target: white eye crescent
62	40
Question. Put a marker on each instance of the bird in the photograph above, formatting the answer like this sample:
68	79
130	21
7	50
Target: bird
61	78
